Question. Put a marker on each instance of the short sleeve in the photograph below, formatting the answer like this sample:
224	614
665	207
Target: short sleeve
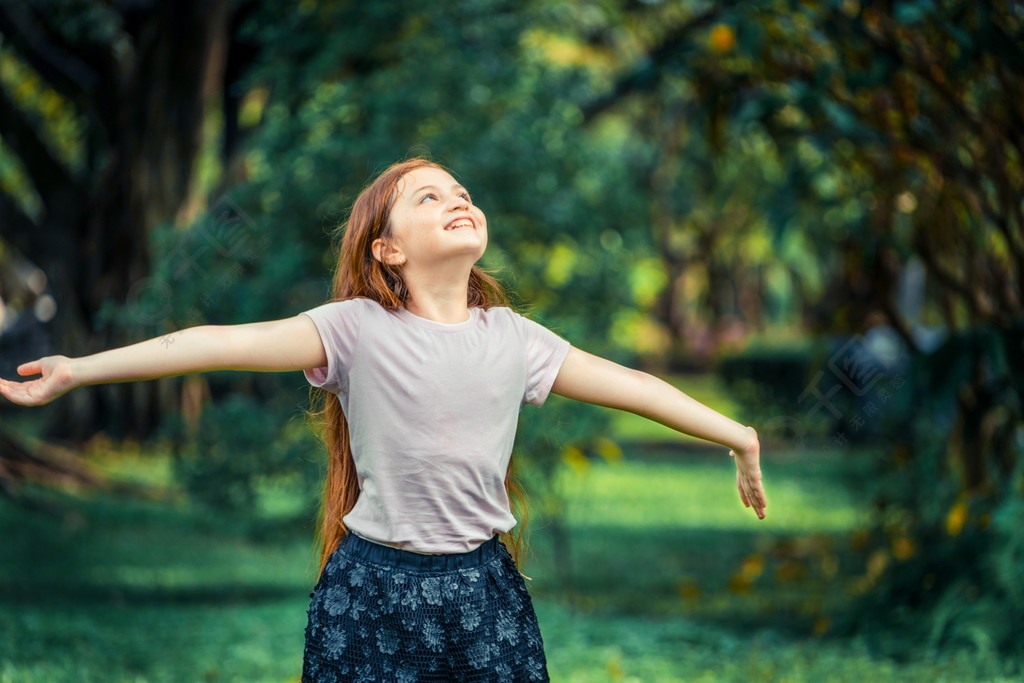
338	323
545	352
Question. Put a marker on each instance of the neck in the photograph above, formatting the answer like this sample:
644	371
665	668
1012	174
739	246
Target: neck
439	297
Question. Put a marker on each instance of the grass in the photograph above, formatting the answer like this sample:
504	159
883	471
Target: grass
131	639
672	580
700	552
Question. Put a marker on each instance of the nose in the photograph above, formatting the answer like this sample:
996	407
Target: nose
459	203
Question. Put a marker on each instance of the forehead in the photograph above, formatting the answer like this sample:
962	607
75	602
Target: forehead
421	177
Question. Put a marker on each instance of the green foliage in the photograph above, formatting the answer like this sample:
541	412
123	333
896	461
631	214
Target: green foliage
234	452
1008	559
963	569
60	124
767	384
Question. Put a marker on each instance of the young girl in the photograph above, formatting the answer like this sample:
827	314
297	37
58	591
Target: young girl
424	369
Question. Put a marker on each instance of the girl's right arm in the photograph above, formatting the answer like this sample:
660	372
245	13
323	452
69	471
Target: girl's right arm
273	346
592	379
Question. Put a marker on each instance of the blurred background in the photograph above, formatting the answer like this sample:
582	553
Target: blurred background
807	215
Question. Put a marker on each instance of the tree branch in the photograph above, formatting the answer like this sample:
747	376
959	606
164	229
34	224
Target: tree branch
65	72
46	464
51	178
644	77
946	277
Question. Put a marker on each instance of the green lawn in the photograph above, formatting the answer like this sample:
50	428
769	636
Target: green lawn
672	579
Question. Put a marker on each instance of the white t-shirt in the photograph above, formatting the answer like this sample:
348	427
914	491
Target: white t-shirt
432	410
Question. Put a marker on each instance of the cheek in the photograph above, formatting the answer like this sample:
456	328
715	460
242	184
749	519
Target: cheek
419	225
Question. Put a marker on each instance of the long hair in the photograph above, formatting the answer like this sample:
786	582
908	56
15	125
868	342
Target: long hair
359	275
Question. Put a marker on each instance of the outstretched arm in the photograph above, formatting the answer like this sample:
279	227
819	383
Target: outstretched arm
277	345
592	379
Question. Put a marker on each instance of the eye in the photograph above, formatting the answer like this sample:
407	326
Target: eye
427	196
465	195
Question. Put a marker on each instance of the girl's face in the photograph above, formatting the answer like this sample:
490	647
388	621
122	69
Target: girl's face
434	222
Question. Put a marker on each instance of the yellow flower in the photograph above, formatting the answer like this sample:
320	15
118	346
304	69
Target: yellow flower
608	449
752	565
956	518
722	39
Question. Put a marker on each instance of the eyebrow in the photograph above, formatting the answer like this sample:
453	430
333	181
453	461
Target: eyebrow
456	186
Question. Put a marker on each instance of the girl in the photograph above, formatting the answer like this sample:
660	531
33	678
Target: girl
424	369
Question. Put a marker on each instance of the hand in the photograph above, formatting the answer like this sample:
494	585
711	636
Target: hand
57	379
748	477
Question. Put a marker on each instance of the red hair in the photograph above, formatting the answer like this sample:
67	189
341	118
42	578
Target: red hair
359	275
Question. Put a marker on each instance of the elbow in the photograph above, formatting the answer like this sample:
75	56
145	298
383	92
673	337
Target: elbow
227	346
644	400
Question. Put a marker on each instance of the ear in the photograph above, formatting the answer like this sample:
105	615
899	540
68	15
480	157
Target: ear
384	252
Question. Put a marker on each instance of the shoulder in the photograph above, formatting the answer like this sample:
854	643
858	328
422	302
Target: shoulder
522	319
496	310
515	322
357	303
501	315
341	311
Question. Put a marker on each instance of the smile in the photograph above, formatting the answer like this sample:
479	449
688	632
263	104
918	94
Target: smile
460	223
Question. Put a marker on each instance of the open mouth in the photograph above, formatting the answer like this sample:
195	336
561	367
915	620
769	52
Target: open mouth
459	224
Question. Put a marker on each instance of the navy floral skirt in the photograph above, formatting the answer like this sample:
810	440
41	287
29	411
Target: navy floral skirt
383	614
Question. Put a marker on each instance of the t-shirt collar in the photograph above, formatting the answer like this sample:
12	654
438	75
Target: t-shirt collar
407	315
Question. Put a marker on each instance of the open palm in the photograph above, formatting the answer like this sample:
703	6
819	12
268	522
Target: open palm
56	381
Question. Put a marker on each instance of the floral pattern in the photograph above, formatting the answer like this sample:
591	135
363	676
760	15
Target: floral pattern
374	622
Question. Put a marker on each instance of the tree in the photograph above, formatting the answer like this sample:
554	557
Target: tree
897	117
137	80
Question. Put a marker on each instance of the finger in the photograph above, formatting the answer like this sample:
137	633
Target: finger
757	494
753	481
748	498
759	501
10	394
18	392
30	368
762	499
753	497
743	495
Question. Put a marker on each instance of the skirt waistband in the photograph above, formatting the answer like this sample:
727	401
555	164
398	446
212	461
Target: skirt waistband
360	548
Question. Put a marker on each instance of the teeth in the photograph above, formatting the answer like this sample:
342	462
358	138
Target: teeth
460	224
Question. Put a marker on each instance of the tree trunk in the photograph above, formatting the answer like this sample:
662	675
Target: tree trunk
144	107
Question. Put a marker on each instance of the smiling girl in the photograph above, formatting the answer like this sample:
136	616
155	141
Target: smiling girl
423	370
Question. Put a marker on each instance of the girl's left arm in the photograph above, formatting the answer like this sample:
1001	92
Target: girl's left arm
592	379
